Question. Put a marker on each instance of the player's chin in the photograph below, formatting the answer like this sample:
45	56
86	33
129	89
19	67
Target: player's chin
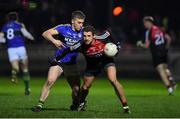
87	43
78	29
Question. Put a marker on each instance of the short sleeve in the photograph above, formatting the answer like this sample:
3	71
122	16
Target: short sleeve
60	28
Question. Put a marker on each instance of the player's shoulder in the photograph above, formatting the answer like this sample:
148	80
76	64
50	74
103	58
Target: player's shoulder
6	25
156	28
63	26
19	23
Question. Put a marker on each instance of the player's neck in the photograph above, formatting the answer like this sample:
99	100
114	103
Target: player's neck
151	27
92	41
73	28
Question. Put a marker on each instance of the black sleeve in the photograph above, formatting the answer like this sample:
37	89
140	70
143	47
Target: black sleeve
64	53
109	36
112	36
103	36
75	47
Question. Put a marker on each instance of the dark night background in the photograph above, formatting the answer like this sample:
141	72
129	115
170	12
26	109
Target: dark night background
49	13
40	15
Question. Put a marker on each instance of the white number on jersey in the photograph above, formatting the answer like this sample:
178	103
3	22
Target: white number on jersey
10	33
159	39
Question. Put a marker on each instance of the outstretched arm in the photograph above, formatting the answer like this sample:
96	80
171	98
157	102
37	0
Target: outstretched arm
48	35
76	47
168	39
108	35
26	33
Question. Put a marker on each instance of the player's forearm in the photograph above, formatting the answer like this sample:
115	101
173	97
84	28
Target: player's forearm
2	39
103	36
143	45
48	36
77	46
27	34
168	39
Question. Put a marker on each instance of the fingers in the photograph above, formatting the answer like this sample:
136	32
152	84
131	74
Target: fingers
138	44
60	46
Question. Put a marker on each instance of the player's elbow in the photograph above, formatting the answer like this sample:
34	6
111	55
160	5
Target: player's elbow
44	34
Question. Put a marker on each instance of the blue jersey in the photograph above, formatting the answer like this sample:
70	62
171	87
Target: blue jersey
69	37
12	31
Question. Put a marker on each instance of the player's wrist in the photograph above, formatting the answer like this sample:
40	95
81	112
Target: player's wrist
53	41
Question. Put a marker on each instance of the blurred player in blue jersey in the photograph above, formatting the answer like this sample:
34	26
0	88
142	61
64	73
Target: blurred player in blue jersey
69	34
14	33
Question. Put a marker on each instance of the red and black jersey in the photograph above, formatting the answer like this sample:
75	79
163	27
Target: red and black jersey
156	38
93	50
157	45
94	54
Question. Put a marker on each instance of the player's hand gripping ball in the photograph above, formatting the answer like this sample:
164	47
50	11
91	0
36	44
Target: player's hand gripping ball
110	49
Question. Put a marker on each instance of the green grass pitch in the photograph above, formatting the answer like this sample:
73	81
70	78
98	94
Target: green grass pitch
146	98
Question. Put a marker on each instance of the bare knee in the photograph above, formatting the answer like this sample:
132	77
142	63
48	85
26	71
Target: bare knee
75	88
86	87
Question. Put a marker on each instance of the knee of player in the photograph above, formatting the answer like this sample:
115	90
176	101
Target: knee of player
76	88
86	87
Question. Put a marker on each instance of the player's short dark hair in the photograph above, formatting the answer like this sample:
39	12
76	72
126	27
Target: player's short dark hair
78	14
89	28
12	16
148	18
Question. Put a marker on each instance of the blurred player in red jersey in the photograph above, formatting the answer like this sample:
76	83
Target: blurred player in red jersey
93	50
156	40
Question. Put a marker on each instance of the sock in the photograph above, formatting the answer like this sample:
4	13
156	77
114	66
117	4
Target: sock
75	97
170	78
26	78
170	90
172	81
75	100
14	73
40	104
83	94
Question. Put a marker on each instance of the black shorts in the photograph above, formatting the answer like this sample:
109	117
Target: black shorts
94	68
159	57
69	69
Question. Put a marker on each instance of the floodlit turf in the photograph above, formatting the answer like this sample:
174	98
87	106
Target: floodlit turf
146	98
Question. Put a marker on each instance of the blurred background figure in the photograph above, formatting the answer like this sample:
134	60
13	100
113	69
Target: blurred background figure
14	33
156	40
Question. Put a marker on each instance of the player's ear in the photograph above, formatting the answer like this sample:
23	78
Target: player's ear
72	21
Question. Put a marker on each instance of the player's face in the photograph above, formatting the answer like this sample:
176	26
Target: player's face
77	24
88	37
147	24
